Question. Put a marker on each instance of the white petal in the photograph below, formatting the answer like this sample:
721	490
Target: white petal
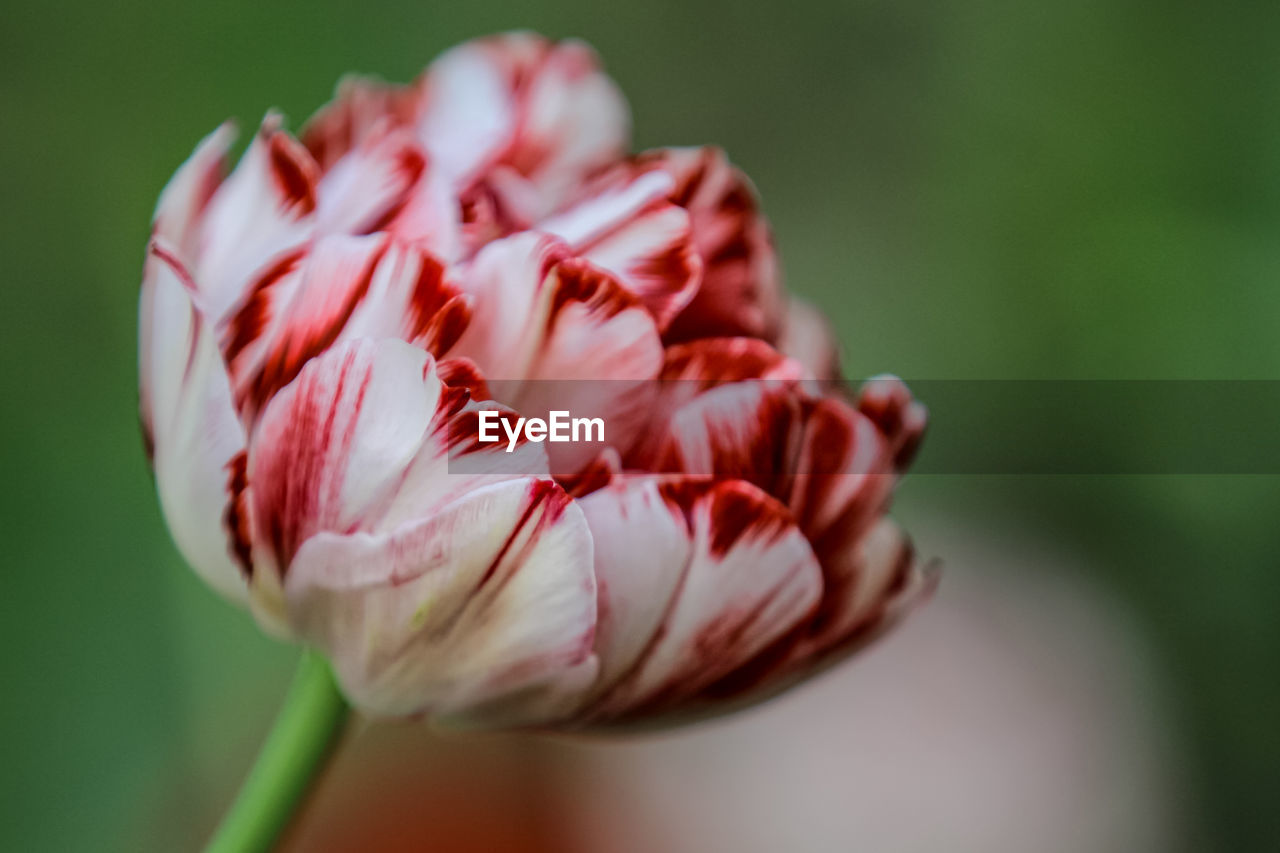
543	112
468	112
190	421
186	196
460	616
575	118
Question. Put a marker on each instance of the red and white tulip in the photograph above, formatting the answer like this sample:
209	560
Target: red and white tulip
322	325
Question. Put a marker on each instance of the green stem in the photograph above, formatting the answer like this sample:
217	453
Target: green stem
304	733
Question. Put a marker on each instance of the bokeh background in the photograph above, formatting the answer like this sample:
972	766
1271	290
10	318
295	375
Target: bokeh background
970	190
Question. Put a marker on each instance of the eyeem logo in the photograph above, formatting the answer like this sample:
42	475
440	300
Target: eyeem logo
560	428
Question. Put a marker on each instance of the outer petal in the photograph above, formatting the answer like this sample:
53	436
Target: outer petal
870	584
189	420
453	461
185	198
842	474
264	208
333	446
902	419
470	616
695	579
696	367
366	438
832	466
708	362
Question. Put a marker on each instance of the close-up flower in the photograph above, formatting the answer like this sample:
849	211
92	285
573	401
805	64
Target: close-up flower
322	325
856	437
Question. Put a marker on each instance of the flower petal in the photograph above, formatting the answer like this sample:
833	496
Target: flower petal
740	293
634	232
468	616
747	430
186	197
709	362
544	112
334	444
189	421
360	106
543	321
902	419
842	474
343	287
575	121
294	309
694	579
368	188
869	586
453	461
827	462
807	338
468	113
263	209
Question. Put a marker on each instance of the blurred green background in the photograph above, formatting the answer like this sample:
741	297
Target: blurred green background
982	189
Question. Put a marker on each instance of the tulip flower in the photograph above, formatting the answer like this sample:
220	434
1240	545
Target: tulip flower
322	327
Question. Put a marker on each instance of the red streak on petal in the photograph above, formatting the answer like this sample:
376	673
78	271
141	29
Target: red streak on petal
410	167
544	495
299	345
580	282
251	319
294	172
235	517
736	511
439	314
462	373
291	499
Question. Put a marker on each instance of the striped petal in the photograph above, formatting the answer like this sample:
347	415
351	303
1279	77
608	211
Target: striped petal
746	430
368	188
472	615
690	369
360	107
870	584
190	424
263	209
367	438
332	447
695	578
341	288
185	198
543	321
542	116
740	292
635	233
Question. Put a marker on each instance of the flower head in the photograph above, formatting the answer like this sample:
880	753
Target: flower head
323	327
